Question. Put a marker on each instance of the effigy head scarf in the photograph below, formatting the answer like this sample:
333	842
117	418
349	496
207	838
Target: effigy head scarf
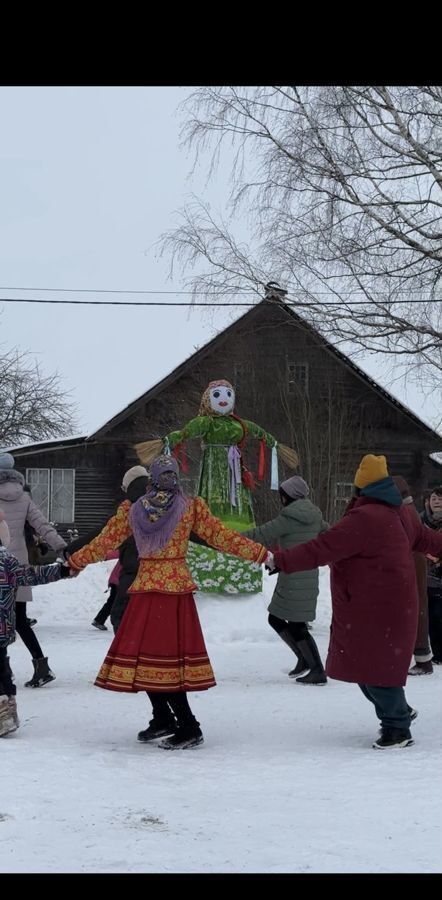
154	517
218	399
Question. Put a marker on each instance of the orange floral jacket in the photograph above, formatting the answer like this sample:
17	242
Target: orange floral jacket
167	572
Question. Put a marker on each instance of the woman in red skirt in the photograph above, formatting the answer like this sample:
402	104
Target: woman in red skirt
159	646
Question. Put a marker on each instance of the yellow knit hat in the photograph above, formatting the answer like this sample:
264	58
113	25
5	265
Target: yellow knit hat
371	468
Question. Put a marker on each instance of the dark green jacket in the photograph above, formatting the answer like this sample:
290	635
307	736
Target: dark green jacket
295	595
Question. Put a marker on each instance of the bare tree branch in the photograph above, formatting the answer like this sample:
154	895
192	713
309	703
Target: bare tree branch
341	188
33	405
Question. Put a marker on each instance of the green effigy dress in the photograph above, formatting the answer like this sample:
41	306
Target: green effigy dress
221	485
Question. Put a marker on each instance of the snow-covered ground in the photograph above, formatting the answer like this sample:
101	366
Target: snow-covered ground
285	782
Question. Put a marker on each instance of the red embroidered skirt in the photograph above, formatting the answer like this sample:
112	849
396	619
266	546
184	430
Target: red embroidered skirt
159	646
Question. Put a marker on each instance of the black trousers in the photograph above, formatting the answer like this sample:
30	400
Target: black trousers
298	630
25	631
176	701
7	685
106	609
435	621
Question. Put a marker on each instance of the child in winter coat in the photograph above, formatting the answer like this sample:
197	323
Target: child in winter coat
12	576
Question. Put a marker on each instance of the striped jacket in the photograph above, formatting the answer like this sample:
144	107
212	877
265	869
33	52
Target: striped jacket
12	576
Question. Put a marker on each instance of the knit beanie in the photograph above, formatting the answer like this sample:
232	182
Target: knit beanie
371	468
6	461
132	474
295	487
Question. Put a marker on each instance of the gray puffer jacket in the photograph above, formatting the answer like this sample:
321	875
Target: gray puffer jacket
19	508
295	596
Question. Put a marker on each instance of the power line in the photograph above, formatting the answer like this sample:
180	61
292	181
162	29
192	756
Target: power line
209	304
174	293
112	291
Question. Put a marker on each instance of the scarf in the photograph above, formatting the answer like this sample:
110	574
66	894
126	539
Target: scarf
155	516
383	490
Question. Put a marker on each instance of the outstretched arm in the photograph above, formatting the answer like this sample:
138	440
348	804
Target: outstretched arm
257	432
221	538
269	533
23	576
195	428
112	535
38	522
344	540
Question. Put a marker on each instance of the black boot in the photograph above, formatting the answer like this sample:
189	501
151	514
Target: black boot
301	665
185	736
309	651
157	728
393	739
42	673
188	732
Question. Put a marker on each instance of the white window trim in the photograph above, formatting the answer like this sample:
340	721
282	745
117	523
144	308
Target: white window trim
50	487
42	469
59	469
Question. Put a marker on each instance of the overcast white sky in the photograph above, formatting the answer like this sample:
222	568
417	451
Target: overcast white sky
89	179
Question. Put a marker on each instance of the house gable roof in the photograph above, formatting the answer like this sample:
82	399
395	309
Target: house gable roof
223	335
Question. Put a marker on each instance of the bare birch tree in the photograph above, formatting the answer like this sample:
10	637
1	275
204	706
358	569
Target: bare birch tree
341	189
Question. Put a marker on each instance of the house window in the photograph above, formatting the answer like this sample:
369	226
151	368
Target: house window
39	482
62	495
297	375
53	491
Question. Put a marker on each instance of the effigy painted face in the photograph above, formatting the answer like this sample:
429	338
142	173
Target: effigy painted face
222	399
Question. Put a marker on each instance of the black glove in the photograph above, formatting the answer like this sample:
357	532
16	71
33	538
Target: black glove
65	571
43	548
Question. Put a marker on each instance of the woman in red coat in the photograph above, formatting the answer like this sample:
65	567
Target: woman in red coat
374	596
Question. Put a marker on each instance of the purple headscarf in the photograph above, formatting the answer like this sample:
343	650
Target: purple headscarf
154	517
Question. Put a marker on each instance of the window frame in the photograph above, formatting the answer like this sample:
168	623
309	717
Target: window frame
48	515
66	521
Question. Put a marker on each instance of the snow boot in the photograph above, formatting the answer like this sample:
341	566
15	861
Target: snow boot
413	715
99	625
421	668
185	736
8	715
42	673
157	728
308	650
300	668
393	739
301	665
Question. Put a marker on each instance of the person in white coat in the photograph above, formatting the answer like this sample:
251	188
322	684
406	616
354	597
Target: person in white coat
19	508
